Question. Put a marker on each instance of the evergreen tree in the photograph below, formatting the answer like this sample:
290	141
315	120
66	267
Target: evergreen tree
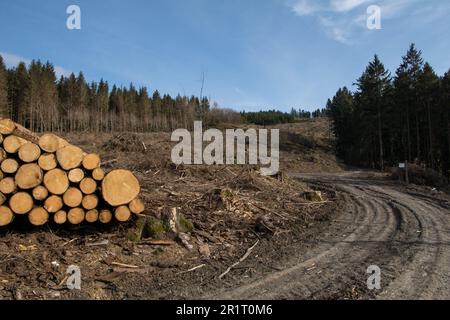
103	104
340	111
428	94
4	106
444	141
370	100
382	117
18	92
405	82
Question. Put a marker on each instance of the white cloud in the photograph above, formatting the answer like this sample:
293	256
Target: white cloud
346	5
335	30
12	60
309	7
305	7
390	9
342	20
60	71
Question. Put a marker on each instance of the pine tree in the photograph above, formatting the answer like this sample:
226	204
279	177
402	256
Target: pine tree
427	91
340	110
370	99
143	109
4	106
103	104
18	92
405	82
81	93
93	106
445	123
49	95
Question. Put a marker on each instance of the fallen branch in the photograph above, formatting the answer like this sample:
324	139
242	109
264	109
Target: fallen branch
69	242
123	265
245	256
157	242
270	211
192	269
312	203
100	243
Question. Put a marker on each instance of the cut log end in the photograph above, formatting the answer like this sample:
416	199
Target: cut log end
7	185
56	181
53	204
29	152
12	144
92	216
105	216
75	215
9	166
98	174
47	161
21	203
90	202
88	185
91	161
76	175
60	217
137	206
122	214
120	187
7	126
29	176
72	197
38	216
40	193
6	216
69	157
49	142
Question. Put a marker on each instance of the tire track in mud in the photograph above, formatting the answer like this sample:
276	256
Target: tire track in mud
406	236
426	275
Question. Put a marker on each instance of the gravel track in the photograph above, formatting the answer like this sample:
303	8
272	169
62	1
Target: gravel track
406	234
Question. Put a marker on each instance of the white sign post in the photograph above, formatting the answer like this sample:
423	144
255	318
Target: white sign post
404	165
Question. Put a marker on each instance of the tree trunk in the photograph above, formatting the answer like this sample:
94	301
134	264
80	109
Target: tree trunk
408	133
418	136
430	136
380	138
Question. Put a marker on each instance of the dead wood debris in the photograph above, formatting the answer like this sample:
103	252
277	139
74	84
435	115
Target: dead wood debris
234	265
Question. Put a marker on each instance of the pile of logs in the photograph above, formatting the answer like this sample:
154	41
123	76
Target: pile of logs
47	178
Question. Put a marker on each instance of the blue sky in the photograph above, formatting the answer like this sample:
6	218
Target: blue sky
254	53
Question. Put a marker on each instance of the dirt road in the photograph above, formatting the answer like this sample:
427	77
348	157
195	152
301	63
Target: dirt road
404	231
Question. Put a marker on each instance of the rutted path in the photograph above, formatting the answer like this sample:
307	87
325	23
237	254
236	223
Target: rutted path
406	235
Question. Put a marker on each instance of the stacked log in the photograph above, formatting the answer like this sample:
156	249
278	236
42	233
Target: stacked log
48	179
